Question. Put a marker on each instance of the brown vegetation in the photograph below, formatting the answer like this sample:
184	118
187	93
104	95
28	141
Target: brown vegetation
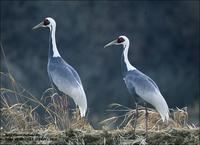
21	124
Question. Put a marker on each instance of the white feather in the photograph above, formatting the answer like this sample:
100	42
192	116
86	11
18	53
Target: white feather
156	99
52	27
76	92
153	97
126	44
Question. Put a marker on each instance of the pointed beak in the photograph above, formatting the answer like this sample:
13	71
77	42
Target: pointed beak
38	26
111	43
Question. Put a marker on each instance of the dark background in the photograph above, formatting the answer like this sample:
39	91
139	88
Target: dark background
164	44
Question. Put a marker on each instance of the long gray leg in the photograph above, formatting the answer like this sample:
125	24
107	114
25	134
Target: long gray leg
136	116
146	120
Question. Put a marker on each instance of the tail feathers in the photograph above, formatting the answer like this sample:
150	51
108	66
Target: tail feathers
165	117
82	107
82	111
81	101
163	109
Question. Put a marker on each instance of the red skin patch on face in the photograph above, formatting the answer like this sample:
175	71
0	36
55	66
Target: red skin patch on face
46	22
120	40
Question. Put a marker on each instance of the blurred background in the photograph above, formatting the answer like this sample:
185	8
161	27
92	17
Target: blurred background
164	44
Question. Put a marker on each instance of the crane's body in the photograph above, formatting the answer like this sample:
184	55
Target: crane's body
60	73
71	84
139	83
142	85
146	89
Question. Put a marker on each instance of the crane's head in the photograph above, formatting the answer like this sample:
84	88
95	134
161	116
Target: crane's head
121	40
47	22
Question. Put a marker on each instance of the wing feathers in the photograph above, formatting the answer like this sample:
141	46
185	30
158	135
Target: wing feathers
67	81
147	89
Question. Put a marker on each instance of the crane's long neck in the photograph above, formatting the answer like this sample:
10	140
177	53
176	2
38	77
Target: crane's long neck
125	64
53	51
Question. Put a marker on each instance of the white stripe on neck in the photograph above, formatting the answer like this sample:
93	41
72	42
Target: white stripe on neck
125	53
55	50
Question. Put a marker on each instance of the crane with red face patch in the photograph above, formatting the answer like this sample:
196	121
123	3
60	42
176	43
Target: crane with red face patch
63	76
139	83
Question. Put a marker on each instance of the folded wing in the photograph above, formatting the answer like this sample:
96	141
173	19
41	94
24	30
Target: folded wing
147	89
68	81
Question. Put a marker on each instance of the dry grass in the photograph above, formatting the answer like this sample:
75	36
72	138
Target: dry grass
20	109
175	131
102	137
24	116
178	119
21	122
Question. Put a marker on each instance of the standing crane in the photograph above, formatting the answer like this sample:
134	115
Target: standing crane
141	84
63	76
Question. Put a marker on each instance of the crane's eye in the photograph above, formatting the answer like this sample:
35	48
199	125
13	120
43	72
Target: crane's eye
46	22
120	40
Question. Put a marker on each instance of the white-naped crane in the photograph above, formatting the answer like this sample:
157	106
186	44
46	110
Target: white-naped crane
141	84
63	76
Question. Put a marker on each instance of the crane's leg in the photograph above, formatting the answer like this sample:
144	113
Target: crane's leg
146	120
136	116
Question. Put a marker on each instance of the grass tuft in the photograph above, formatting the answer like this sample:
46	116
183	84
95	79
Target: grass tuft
127	118
23	123
21	110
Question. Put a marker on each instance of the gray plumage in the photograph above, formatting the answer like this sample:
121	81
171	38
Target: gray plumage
139	83
63	76
147	89
66	79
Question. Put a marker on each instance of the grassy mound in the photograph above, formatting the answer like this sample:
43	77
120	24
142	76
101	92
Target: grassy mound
102	137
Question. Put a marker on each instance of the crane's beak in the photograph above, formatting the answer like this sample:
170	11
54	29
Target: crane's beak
114	42
38	26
